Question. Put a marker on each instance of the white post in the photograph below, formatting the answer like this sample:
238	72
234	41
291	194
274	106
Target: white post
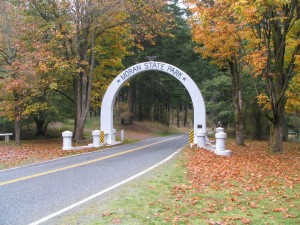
219	129
67	140
110	137
96	138
220	140
122	135
201	138
220	144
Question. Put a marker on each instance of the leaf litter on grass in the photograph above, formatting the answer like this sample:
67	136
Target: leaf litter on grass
250	185
33	151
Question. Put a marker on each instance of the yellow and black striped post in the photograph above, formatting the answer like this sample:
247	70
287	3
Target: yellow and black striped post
102	137
191	138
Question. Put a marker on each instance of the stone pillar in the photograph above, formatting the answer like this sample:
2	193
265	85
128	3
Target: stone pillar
67	140
201	138
220	144
96	138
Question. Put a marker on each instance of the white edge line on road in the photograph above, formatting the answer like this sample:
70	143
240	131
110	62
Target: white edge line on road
46	218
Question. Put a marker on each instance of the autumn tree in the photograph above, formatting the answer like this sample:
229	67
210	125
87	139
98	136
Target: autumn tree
263	39
110	50
218	33
22	57
274	31
75	27
293	97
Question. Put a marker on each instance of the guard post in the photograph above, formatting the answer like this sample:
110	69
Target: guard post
67	140
96	138
122	136
191	138
201	134
220	144
102	137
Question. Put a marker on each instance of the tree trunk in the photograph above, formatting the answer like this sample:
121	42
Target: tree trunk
257	122
40	127
285	129
276	137
140	110
178	117
276	132
83	83
277	126
132	98
18	130
185	114
237	102
82	93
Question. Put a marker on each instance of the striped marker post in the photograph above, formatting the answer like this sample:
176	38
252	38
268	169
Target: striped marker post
102	137
191	138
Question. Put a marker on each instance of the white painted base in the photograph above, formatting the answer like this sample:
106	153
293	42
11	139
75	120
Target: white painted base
115	143
68	148
94	146
223	152
210	148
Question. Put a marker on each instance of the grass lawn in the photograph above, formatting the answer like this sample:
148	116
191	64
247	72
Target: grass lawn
251	187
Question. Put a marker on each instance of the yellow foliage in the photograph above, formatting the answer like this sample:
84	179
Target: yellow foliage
39	106
293	96
264	101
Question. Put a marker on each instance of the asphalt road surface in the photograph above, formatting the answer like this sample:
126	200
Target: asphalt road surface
35	193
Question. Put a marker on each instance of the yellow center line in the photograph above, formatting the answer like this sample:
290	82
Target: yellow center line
80	164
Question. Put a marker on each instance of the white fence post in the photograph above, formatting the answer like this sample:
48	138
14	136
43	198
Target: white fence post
96	138
122	136
201	138
67	140
220	144
219	129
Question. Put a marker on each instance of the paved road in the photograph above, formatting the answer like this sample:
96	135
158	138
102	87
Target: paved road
33	192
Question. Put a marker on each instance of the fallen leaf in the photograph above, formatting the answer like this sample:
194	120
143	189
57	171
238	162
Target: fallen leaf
246	221
289	215
280	210
116	221
106	213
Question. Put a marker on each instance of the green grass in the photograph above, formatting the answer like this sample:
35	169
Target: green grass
164	196
166	133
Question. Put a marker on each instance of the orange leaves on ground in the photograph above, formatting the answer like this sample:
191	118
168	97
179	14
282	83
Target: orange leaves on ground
252	166
251	180
116	221
106	213
33	151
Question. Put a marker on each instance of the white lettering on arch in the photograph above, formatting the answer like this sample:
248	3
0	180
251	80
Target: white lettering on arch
114	87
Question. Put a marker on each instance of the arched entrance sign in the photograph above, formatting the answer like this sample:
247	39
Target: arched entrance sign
114	87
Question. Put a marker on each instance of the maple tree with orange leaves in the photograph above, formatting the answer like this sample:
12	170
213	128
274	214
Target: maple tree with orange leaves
259	38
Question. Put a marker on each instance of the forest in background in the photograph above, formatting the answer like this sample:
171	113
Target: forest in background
58	57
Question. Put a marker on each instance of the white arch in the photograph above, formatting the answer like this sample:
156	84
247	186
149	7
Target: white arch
114	87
